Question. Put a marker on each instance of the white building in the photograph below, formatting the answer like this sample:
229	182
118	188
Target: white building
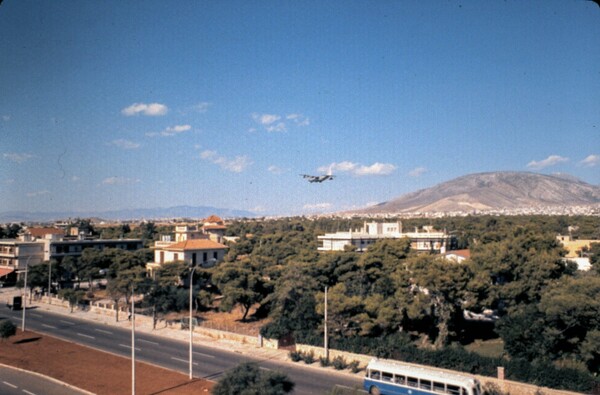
425	240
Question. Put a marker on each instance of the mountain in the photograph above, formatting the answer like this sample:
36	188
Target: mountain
494	191
125	214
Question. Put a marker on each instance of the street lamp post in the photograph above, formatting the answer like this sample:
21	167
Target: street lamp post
49	281
24	299
190	321
132	343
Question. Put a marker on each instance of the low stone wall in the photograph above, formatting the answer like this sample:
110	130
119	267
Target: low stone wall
510	387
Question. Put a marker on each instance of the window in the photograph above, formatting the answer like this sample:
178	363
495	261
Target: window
439	387
386	376
215	255
375	375
205	257
453	389
400	380
412	382
425	384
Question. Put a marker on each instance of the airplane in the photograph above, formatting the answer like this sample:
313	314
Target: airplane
322	178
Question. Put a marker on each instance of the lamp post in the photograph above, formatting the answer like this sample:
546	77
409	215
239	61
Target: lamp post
190	322
24	301
325	338
49	281
132	343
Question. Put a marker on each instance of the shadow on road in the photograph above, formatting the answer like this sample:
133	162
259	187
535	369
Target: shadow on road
28	340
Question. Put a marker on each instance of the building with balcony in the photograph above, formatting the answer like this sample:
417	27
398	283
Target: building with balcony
425	240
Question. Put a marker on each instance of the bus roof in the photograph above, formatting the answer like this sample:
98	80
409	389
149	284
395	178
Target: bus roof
421	372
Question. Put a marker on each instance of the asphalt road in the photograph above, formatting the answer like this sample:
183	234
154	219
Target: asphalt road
16	382
209	363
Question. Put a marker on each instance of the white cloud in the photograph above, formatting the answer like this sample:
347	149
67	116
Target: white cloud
152	109
549	161
317	206
417	172
75	178
125	144
277	123
371	204
298	119
357	169
38	193
235	165
6	118
275	169
202	106
265	119
280	127
15	157
170	131
590	161
9	181
119	181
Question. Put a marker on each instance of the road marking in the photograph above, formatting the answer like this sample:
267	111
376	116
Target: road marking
204	355
29	392
48	326
9	384
67	322
88	336
129	347
103	331
148	341
263	368
183	360
36	315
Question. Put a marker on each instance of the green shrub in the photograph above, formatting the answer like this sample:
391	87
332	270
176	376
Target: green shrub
295	356
308	357
339	363
354	367
324	361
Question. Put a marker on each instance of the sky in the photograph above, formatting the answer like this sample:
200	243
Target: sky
109	105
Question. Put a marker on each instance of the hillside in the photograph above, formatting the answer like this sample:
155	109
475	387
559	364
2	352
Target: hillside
494	191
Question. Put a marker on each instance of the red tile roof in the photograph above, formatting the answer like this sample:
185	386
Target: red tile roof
462	253
5	271
196	244
213	219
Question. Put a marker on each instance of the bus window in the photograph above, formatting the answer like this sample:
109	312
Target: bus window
453	389
413	382
400	380
386	376
425	384
439	387
375	375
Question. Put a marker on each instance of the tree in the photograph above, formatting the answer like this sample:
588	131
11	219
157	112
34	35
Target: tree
7	329
248	379
162	294
240	284
72	296
125	283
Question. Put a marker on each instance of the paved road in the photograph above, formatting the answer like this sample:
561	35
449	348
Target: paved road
17	382
209	362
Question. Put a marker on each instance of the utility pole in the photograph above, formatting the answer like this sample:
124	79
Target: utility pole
325	340
24	301
49	281
132	343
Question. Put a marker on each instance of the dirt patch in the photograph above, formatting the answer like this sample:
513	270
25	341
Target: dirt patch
93	370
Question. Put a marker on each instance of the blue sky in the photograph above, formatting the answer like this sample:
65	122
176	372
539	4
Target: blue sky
122	104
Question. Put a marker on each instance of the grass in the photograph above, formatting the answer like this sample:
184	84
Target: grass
493	348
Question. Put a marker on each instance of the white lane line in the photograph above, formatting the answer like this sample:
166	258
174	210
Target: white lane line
67	322
148	341
263	368
29	392
129	347
103	331
36	315
183	360
48	326
88	336
204	355
9	384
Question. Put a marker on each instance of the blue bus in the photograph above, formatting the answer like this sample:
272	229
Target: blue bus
395	378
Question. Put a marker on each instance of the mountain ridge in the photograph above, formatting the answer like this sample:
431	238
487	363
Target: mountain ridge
182	211
493	191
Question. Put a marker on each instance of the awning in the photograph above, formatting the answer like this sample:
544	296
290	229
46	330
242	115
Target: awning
6	271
